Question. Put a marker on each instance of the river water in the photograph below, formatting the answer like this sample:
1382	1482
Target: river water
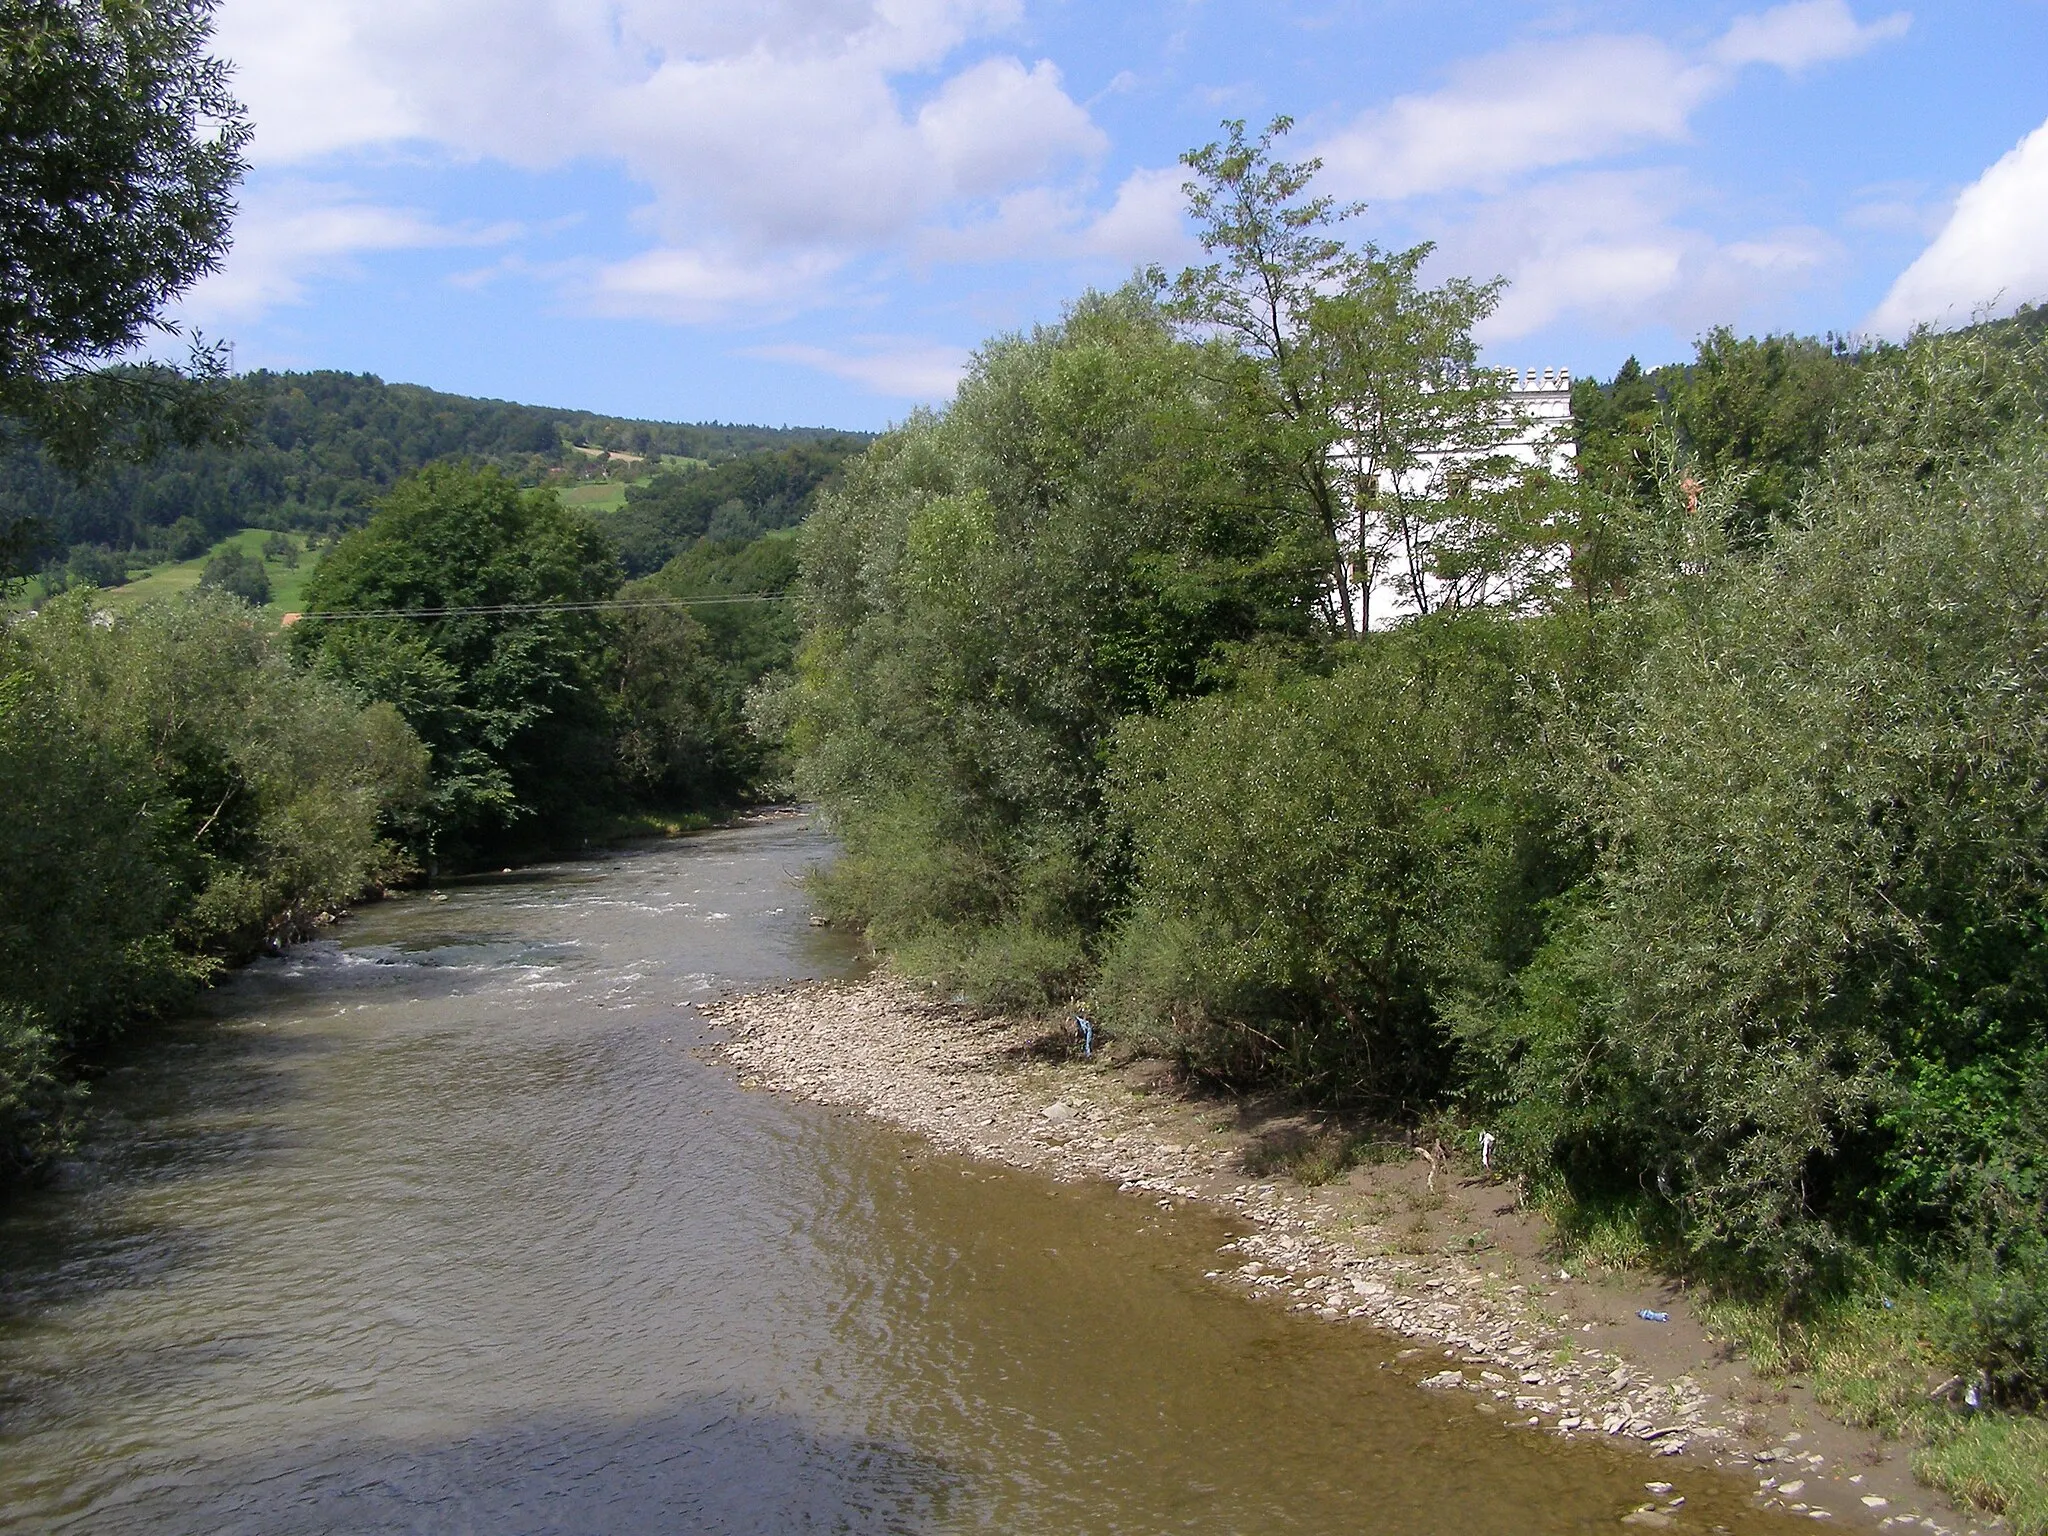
455	1224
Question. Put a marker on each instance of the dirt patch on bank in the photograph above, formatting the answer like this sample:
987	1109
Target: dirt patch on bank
1415	1244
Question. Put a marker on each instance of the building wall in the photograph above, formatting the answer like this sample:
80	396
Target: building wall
1536	429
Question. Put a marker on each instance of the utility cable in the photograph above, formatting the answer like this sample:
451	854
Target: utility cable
607	605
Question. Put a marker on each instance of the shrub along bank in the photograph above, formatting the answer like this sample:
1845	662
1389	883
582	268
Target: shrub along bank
1699	855
173	792
180	784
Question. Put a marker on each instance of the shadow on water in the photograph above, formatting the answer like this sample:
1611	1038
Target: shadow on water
698	1466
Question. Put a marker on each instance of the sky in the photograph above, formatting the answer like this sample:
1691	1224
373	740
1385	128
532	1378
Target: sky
810	212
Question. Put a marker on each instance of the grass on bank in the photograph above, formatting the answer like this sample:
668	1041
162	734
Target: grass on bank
1872	1361
1872	1358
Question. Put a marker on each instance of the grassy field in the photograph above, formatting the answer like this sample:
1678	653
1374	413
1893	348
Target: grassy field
605	496
286	582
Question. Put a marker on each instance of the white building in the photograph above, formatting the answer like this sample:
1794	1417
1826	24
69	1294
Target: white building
1535	431
1540	431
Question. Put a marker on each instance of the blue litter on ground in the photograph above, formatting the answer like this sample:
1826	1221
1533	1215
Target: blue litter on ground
1654	1317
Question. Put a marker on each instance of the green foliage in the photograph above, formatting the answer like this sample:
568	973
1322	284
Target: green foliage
751	638
1993	1462
681	737
173	794
120	148
1763	407
1802	997
1755	413
510	706
35	1101
1317	859
86	897
733	502
1354	399
318	450
88	565
239	574
989	594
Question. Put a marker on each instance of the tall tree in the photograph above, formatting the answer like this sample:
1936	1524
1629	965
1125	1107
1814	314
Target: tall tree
509	703
120	149
1357	388
1275	255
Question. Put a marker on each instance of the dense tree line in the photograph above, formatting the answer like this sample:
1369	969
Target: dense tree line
739	499
317	451
1685	830
492	618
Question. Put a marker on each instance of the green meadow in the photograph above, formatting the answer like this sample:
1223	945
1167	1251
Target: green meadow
286	582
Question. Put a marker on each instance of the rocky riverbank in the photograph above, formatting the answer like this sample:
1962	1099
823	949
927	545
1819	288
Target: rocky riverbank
1439	1254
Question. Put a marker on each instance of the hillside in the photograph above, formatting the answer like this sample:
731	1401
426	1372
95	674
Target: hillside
320	448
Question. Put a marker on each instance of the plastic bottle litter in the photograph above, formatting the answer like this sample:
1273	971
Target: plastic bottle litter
1654	1317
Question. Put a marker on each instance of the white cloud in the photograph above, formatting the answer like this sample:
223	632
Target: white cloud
1147	222
1993	252
780	139
1798	36
782	121
1526	109
1608	251
291	234
1554	104
698	286
999	123
1036	223
924	372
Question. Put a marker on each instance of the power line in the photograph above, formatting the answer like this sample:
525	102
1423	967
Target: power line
486	610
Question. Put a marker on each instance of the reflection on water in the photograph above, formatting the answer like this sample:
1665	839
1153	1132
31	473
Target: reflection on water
454	1225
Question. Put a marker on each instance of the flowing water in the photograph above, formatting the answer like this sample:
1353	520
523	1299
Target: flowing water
454	1224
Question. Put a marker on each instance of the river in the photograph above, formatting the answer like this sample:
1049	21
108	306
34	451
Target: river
456	1223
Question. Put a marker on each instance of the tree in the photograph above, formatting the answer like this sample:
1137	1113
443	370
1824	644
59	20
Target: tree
988	594
1357	388
1764	406
1443	516
509	704
1276	259
120	148
236	571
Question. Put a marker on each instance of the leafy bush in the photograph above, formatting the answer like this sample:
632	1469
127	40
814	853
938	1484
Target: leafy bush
93	565
34	1100
173	793
1802	999
1318	860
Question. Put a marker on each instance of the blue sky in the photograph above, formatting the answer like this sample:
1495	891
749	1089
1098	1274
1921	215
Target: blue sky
811	211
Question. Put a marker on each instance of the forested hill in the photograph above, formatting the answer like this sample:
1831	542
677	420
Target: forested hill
320	448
